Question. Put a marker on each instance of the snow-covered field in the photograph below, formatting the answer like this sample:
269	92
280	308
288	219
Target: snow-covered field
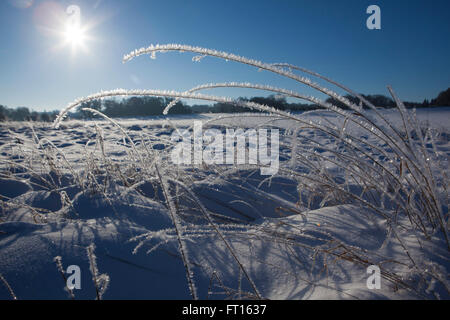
335	207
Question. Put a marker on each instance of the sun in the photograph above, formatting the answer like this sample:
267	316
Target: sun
68	27
74	35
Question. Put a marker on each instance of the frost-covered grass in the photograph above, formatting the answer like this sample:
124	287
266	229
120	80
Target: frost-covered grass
356	187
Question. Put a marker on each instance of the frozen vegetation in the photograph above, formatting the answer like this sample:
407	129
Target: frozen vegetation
357	187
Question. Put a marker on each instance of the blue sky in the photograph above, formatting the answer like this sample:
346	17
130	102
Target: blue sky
410	52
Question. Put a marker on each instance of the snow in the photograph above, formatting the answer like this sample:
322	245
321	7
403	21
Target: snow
54	207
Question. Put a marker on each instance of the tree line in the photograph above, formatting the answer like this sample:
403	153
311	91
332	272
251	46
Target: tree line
24	114
378	100
152	106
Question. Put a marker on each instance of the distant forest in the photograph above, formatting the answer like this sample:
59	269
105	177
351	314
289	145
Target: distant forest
151	106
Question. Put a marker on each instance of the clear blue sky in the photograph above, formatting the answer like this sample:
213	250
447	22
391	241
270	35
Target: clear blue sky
411	52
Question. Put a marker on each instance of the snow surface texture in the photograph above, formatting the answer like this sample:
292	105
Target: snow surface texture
289	250
355	188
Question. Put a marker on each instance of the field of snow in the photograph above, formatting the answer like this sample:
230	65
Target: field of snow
220	231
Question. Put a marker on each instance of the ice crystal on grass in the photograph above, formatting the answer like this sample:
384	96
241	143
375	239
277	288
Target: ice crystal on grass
101	281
